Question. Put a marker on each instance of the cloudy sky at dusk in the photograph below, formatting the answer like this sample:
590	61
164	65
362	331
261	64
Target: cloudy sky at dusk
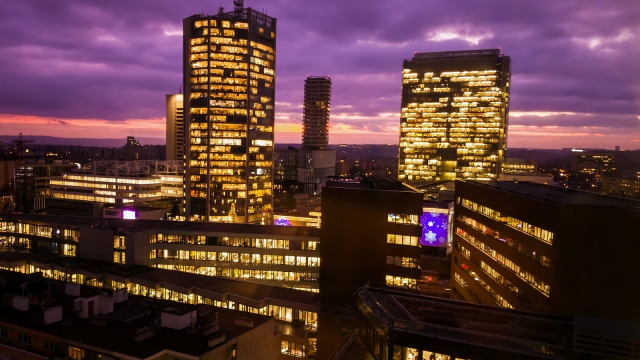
102	68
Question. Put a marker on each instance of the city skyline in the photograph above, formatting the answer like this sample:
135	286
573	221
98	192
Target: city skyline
102	70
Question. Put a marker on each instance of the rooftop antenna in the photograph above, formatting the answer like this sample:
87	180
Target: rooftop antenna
238	6
220	10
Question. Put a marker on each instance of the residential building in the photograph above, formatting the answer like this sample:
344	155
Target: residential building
229	98
316	161
175	127
454	115
370	232
317	106
543	248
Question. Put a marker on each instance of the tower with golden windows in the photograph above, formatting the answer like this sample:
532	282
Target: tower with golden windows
454	115
229	98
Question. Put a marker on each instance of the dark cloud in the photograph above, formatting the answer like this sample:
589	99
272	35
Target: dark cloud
115	60
58	122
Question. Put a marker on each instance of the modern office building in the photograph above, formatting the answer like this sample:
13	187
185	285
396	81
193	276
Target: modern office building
175	127
597	162
316	161
454	115
370	232
229	98
544	248
86	191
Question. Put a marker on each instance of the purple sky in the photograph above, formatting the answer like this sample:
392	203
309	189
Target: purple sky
102	68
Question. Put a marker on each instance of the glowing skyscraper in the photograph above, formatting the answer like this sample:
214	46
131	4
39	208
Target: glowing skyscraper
315	161
454	116
229	97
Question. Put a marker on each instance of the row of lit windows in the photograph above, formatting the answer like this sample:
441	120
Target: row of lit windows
542	259
254	274
399	281
535	231
524	274
279	312
499	299
28	229
490	271
243	258
403	219
402	239
293	349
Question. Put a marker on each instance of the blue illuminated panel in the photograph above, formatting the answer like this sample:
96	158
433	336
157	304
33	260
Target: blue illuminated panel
435	225
282	222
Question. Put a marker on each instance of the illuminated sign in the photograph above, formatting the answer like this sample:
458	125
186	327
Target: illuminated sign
128	214
282	222
435	226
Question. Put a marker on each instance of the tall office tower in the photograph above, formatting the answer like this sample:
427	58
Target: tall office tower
175	127
453	124
317	105
229	97
315	160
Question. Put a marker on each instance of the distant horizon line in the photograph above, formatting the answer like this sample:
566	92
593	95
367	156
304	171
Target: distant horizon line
148	140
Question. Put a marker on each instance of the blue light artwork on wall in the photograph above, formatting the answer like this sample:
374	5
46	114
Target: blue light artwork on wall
435	223
282	222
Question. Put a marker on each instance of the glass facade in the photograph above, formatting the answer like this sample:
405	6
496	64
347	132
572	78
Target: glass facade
229	72
454	116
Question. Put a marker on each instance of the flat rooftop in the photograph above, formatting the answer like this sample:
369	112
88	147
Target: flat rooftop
448	54
560	195
466	322
159	225
118	336
228	287
220	287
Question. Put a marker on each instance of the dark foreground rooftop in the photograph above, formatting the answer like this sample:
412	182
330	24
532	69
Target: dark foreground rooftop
117	334
481	325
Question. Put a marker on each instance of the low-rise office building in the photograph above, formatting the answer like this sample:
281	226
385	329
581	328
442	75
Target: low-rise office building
296	312
531	246
264	254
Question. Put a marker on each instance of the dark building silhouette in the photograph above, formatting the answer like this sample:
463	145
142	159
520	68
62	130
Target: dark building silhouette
370	231
538	247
